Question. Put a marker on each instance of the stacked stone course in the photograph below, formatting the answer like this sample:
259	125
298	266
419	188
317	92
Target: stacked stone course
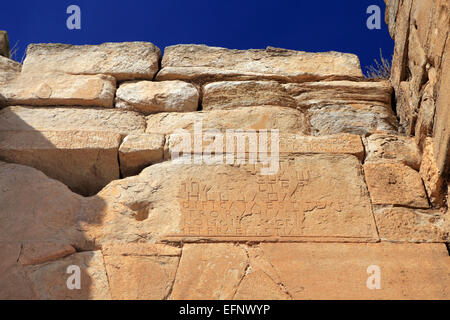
87	179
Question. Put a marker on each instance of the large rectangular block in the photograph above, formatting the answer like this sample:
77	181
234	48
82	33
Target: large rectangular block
262	143
340	93
257	118
232	94
310	198
202	64
56	89
124	61
352	271
84	161
395	184
17	118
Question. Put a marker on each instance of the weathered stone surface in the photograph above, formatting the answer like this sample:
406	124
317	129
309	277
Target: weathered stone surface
172	201
9	70
288	143
395	183
420	71
84	161
4	44
431	175
261	281
53	89
395	148
138	151
149	97
257	285
18	118
41	221
13	284
140	270
403	224
391	15
49	280
340	93
203	64
37	209
264	117
335	144
356	118
407	114
209	272
40	252
425	118
232	94
339	271
124	61
441	131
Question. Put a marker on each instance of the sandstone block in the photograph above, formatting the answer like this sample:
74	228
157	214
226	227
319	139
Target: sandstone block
172	201
53	89
140	271
39	252
356	119
149	97
395	183
37	210
13	283
124	61
257	118
340	271
261	280
385	147
340	93
255	142
209	272
431	175
232	94
200	63
84	161
49	280
257	285
403	224
18	118
138	151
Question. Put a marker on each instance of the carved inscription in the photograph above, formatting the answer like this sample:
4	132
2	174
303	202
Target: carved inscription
263	206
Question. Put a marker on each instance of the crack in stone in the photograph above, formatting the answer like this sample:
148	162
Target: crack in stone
279	283
106	272
247	269
169	293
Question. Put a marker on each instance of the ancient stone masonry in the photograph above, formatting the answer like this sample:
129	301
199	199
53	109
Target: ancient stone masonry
212	173
421	80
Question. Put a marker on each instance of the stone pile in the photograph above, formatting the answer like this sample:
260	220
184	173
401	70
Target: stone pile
87	178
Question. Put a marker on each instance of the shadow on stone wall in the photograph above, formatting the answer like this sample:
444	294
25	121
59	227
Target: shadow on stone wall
44	229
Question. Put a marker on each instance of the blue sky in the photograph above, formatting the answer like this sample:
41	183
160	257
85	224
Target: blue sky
306	25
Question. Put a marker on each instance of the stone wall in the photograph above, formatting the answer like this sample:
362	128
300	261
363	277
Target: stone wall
89	178
421	80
